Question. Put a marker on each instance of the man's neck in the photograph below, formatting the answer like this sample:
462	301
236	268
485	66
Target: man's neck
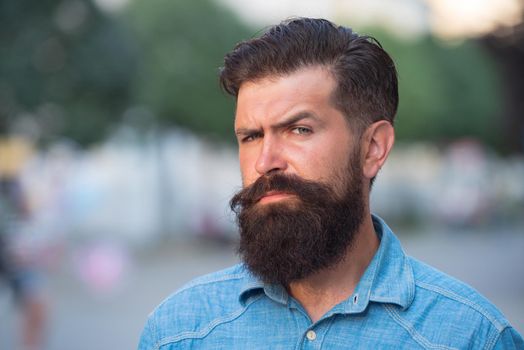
323	290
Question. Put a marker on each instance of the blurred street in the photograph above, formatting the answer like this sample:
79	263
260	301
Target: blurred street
80	319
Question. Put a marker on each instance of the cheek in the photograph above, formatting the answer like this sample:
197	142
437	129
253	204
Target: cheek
247	168
324	161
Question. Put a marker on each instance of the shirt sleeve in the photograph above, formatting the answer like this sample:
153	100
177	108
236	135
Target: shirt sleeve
147	338
509	339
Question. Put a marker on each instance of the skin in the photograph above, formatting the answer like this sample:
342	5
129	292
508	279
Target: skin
289	124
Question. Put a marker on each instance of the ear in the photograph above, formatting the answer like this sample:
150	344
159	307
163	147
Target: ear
377	142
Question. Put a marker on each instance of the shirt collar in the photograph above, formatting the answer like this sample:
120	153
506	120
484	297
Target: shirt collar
387	279
389	276
254	286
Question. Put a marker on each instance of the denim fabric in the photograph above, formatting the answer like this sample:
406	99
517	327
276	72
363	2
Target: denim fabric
399	303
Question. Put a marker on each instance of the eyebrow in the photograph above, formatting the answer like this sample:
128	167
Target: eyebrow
282	124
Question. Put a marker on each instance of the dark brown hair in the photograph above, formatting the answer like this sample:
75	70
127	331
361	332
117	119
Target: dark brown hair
367	88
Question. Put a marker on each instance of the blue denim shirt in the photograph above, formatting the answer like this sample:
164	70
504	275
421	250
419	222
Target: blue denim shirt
399	303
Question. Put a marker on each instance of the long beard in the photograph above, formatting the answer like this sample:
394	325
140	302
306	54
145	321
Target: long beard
291	239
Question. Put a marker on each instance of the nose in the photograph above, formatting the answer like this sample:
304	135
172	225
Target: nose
270	157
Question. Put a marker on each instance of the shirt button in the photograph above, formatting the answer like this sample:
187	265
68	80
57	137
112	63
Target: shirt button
311	335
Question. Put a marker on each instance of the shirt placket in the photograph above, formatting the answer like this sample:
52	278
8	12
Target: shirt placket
313	336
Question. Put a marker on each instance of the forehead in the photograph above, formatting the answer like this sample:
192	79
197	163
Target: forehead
273	97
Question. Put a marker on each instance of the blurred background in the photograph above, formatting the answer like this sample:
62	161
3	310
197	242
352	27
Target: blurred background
117	155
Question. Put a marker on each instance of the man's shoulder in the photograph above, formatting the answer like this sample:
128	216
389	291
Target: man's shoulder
453	299
202	302
234	275
195	309
222	287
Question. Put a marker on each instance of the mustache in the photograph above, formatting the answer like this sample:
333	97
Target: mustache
306	190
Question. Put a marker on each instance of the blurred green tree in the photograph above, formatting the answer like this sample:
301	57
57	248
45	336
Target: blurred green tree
447	91
182	45
65	66
507	46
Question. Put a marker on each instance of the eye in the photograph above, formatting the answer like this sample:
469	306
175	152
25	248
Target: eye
251	137
301	130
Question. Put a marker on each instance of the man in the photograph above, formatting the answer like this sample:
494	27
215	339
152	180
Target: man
314	122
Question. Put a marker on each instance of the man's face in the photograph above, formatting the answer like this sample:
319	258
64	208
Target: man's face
302	201
289	124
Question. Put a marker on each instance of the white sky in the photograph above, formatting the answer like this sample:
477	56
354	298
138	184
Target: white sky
452	18
406	18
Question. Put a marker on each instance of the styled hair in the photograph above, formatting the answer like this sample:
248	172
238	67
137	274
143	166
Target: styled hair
367	87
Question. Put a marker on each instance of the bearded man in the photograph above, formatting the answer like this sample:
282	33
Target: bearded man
314	122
